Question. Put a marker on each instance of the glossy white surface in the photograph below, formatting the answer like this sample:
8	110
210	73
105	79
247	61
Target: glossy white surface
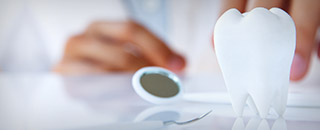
48	101
255	60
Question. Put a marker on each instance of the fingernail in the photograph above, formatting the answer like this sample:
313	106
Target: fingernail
298	68
176	63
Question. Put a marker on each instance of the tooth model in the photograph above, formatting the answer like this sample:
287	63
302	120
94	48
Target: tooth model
255	52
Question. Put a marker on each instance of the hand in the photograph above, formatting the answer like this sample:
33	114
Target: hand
306	15
116	46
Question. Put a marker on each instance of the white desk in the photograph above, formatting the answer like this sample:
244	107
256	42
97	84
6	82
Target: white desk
48	101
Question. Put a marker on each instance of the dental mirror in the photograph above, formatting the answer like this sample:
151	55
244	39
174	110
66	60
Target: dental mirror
157	85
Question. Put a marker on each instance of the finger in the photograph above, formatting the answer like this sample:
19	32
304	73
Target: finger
110	31
71	64
306	17
263	3
156	50
228	4
153	49
108	56
78	67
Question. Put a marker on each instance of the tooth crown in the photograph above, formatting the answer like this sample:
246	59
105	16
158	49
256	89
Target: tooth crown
255	52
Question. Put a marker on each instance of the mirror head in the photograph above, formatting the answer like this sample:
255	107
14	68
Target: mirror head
156	85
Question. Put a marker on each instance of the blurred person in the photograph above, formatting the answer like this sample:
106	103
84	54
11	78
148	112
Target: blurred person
172	34
112	54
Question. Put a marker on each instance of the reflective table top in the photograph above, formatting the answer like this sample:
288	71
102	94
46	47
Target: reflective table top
49	101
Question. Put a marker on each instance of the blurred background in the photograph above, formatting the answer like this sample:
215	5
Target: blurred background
33	33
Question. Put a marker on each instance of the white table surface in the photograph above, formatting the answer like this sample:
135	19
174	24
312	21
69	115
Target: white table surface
49	101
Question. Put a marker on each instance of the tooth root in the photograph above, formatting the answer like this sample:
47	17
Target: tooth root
251	105
263	102
280	106
238	101
280	102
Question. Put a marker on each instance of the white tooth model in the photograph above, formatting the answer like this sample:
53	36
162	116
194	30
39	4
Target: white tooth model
255	52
